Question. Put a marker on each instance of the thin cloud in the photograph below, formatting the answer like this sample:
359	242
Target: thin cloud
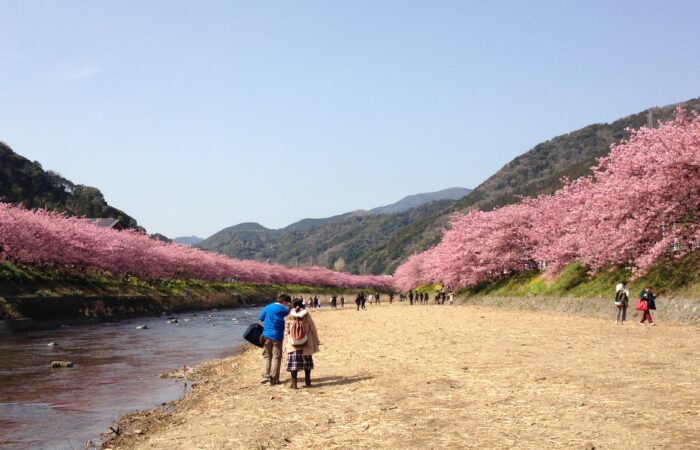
69	74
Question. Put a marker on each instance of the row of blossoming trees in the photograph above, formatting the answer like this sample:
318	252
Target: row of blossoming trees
641	202
47	239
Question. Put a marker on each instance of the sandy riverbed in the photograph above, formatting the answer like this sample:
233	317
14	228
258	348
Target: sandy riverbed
450	377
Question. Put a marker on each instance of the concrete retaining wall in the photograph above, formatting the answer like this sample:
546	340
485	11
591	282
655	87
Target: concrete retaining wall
680	310
16	325
48	312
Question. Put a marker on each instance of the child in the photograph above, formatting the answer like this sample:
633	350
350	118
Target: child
302	343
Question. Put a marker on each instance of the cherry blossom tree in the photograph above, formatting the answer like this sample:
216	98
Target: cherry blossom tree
641	202
48	239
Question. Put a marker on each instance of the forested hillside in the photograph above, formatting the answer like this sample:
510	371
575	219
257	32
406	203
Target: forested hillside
571	155
26	183
380	243
344	242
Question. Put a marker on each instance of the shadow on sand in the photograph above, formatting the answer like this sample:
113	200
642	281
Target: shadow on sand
337	381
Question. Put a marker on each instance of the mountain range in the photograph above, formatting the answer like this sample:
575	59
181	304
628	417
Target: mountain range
188	240
415	200
331	239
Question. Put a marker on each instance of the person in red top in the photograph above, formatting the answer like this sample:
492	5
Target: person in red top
649	296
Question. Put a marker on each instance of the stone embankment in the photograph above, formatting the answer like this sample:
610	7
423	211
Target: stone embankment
677	310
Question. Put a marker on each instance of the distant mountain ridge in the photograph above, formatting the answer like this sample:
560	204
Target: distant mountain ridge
188	240
413	201
377	243
406	203
250	240
26	183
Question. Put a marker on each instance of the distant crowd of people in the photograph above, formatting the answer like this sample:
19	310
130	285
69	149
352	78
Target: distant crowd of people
423	298
316	302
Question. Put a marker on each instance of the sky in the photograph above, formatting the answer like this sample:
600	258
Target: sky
194	116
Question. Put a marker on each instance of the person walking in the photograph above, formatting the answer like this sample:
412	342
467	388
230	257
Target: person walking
621	302
358	300
364	300
342	301
302	343
272	320
648	295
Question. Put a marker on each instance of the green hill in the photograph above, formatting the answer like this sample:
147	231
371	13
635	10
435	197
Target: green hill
26	183
380	242
346	241
570	155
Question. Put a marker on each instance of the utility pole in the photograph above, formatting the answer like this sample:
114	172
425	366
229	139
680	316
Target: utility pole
650	124
364	267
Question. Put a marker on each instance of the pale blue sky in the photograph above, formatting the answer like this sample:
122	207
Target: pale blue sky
193	116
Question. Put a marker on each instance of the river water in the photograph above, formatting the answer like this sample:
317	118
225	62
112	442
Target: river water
116	371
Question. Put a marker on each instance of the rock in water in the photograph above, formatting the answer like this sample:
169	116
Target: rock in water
61	364
142	327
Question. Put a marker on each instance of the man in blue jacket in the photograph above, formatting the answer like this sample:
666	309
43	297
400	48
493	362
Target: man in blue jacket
272	319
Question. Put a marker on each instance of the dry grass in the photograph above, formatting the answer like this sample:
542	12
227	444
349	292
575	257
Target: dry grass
452	377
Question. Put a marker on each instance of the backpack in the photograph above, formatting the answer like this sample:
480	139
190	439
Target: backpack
621	297
297	332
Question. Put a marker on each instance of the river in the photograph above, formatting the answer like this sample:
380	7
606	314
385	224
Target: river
116	371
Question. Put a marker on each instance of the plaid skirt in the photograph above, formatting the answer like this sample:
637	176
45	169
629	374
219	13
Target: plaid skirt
297	361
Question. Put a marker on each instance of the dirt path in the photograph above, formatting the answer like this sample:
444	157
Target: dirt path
454	377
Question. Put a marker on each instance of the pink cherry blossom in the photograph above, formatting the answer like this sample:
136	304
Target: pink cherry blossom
48	239
642	202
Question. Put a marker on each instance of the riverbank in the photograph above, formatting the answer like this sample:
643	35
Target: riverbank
449	377
32	298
